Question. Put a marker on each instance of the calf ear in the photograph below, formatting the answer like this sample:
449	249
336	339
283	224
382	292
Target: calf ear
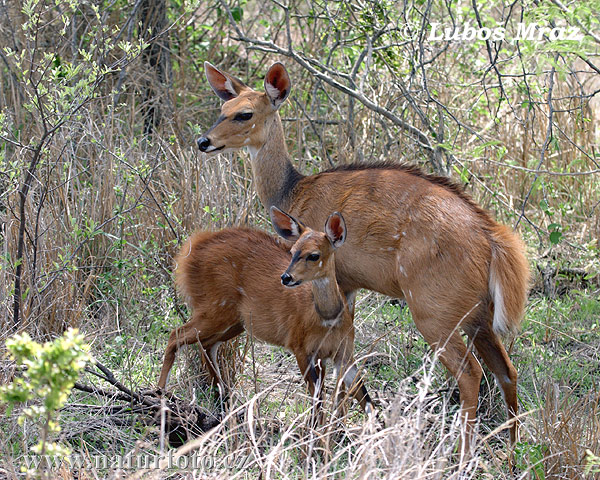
285	225
335	229
224	85
277	84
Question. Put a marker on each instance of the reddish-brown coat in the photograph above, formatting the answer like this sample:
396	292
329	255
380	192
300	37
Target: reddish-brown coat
411	236
232	282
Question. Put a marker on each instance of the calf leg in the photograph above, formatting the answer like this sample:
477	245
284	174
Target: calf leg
209	352
200	328
313	371
351	382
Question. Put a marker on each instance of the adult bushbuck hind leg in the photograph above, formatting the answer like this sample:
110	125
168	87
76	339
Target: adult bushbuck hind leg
413	236
232	281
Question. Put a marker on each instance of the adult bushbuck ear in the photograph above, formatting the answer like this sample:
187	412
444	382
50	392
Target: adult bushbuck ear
277	84
224	85
231	281
413	236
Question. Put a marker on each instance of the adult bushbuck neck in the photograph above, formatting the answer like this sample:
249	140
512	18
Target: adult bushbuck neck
413	236
232	280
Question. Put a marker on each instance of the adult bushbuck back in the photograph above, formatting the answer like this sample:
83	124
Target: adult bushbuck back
413	236
232	280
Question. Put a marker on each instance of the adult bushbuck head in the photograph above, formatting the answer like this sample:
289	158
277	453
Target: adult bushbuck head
232	280
413	236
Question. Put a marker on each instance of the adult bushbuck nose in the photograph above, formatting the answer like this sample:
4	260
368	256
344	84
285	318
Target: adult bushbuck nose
413	236
232	281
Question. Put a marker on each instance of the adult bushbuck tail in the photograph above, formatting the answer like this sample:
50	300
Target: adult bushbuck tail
413	236
232	280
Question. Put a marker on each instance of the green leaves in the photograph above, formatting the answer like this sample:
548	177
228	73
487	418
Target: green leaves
463	172
237	13
555	233
555	237
554	229
50	371
530	457
592	462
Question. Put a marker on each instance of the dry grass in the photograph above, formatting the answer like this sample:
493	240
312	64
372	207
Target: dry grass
265	431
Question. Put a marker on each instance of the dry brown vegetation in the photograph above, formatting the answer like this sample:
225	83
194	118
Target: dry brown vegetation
100	183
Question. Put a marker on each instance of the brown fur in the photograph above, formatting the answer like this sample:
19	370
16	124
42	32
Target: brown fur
231	279
411	235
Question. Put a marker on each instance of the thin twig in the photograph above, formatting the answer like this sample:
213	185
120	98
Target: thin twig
546	141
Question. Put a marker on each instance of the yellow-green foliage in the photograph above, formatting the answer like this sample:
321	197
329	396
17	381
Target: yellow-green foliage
50	371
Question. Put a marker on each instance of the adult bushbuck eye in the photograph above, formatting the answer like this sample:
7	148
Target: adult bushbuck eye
413	236
232	280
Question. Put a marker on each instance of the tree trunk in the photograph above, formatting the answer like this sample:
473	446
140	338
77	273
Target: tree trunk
156	58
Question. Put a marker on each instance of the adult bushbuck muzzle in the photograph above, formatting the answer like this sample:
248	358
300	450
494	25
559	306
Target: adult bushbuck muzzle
232	281
413	236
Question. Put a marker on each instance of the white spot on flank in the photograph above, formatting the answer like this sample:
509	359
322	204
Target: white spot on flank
409	293
223	303
396	237
404	234
241	290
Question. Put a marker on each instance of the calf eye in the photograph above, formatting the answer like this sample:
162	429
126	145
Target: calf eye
313	257
242	117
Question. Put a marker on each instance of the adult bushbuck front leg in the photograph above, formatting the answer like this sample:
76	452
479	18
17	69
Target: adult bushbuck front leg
414	236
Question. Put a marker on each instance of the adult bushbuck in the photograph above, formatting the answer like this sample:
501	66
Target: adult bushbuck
232	280
413	236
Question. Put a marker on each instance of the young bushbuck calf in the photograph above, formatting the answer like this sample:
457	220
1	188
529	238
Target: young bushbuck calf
413	236
232	280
